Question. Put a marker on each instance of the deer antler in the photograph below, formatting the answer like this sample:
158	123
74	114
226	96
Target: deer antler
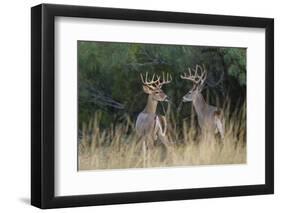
156	83
166	80
196	78
152	82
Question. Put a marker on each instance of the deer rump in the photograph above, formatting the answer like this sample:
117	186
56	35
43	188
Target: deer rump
151	126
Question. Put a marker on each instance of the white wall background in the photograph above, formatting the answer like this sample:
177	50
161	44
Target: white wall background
15	105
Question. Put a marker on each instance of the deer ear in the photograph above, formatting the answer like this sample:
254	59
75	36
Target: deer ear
146	89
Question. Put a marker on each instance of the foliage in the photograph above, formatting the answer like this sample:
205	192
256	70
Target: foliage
109	81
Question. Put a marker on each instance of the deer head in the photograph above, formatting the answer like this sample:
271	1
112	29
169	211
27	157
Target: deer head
198	79
153	87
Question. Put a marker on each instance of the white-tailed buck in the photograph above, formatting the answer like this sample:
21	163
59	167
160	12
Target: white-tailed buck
149	125
209	117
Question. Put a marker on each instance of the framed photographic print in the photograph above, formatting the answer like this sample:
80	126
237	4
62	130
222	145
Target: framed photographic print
139	106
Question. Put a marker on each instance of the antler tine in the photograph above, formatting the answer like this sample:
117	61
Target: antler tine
142	78
170	77
189	70
165	80
185	76
196	77
146	74
190	76
196	72
148	82
152	79
195	69
157	82
203	74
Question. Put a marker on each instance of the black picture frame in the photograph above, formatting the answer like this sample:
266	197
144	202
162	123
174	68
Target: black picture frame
43	102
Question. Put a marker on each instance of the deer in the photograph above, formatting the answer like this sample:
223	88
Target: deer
149	125
209	117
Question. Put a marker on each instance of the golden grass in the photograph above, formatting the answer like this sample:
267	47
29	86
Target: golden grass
118	147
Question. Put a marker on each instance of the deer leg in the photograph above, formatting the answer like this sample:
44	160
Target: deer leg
164	124
219	127
155	136
216	130
149	148
144	153
163	139
160	129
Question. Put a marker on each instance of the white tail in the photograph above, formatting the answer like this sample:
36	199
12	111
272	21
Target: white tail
209	117
149	125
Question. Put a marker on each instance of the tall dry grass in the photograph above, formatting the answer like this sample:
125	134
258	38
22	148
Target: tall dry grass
118	146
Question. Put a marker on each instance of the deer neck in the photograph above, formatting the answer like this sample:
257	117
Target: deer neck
151	105
199	104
